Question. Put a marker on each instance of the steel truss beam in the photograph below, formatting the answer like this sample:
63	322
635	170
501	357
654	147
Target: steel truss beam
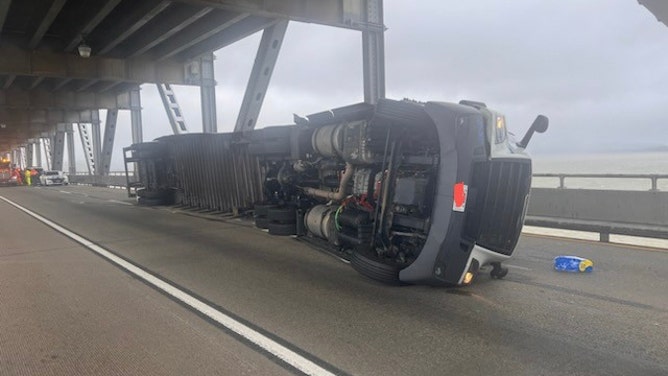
87	147
141	15
135	116
96	140
91	23
38	152
265	61
373	53
172	108
4	9
208	26
339	13
30	153
208	94
58	148
71	156
46	22
178	17
108	141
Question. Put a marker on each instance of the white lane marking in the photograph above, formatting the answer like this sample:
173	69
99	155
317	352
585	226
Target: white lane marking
288	356
516	267
120	202
66	192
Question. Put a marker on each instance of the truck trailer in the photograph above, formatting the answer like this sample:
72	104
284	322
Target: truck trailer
409	192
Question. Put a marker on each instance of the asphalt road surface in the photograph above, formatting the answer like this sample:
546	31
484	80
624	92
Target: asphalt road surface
66	310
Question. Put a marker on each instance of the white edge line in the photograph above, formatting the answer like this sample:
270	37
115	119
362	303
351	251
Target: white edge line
288	356
120	202
516	267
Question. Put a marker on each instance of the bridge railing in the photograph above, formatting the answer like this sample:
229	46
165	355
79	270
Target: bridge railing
637	212
653	179
115	179
623	207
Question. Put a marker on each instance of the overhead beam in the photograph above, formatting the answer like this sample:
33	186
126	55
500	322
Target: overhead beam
178	18
373	54
142	14
65	100
92	23
4	9
210	25
17	61
21	119
51	14
339	13
226	37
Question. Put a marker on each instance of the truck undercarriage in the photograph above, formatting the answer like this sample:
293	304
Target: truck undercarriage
410	192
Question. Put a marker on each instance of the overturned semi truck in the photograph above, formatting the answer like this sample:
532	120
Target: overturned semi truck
409	192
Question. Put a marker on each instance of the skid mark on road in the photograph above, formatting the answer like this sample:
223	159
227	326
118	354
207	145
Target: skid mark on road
587	294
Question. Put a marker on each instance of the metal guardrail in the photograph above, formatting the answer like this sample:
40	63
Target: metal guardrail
654	178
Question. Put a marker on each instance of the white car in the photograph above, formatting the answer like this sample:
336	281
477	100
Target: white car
53	178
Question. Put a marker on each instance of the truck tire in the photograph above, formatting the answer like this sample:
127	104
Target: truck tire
283	215
261	222
145	201
143	192
375	270
261	210
282	229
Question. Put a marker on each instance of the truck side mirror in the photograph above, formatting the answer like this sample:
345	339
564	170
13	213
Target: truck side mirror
539	125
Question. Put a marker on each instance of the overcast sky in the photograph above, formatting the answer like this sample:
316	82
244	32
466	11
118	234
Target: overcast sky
597	68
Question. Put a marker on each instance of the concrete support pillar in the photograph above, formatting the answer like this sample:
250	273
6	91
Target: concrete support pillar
208	94
58	148
71	159
373	52
135	115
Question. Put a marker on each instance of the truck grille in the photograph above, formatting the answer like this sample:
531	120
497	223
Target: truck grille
497	199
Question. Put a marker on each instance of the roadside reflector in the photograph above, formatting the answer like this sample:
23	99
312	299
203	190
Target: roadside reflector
460	192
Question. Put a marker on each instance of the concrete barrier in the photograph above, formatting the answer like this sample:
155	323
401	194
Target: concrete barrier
636	213
99	181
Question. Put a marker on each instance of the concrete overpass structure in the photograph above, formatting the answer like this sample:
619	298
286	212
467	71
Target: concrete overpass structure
62	61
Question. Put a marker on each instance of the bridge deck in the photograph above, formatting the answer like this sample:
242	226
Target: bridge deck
67	311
